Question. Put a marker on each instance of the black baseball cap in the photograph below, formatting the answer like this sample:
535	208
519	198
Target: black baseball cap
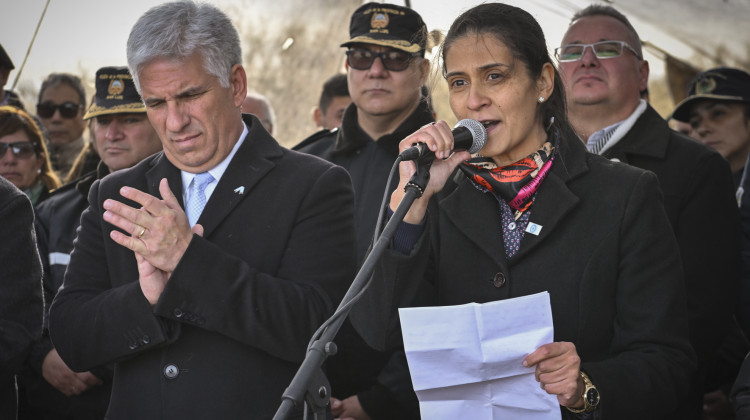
720	84
388	25
115	93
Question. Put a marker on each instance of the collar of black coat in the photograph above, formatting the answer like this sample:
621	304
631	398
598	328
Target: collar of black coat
649	136
84	183
350	138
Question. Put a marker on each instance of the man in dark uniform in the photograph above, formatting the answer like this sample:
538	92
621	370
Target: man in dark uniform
123	136
386	69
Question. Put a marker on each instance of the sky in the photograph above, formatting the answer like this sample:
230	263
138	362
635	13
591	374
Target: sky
83	35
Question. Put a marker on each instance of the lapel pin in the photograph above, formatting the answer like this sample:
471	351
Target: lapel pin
533	228
240	190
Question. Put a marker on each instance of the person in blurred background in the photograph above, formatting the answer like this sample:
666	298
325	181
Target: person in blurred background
61	104
261	107
23	155
717	109
334	98
680	127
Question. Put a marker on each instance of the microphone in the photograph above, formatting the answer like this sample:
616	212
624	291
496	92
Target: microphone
468	135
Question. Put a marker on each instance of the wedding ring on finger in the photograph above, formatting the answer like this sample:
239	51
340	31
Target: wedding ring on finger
143	230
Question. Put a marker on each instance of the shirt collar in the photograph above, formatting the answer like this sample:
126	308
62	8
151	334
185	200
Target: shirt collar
217	171
615	132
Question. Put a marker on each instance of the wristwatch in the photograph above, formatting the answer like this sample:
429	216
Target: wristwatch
590	396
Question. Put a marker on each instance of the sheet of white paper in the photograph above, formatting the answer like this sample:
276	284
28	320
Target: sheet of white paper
466	360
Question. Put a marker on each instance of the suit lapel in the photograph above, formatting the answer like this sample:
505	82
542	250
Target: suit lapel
248	166
477	216
647	137
555	200
549	209
163	168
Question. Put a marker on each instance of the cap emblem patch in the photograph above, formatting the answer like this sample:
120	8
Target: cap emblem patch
379	20
706	85
115	89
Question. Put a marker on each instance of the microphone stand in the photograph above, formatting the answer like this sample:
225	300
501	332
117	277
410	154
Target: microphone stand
310	382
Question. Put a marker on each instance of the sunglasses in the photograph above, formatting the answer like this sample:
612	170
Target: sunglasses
20	149
602	50
392	60
67	109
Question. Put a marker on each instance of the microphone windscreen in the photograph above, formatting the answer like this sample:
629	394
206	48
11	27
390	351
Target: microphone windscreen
478	134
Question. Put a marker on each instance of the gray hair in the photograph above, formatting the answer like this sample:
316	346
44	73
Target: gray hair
606	10
179	29
57	79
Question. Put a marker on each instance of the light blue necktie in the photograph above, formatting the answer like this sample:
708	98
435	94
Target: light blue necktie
197	200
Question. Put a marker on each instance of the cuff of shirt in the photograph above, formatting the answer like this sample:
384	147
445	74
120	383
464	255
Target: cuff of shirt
406	235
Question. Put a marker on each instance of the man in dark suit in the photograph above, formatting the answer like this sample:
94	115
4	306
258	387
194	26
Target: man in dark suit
604	72
206	312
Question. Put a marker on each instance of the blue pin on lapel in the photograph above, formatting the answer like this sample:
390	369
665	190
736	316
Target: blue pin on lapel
533	228
240	190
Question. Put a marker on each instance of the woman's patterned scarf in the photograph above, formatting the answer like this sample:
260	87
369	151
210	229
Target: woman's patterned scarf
515	183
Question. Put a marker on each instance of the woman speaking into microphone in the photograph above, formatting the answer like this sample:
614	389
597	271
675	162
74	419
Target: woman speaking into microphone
533	211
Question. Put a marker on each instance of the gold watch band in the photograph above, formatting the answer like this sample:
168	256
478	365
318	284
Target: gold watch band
587	386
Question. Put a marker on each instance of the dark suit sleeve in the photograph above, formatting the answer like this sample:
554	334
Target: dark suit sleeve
21	293
94	320
401	280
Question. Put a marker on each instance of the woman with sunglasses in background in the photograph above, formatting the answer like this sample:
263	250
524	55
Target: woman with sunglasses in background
534	212
23	155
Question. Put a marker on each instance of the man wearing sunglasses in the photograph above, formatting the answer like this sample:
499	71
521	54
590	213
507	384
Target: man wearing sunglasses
386	69
61	104
602	66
